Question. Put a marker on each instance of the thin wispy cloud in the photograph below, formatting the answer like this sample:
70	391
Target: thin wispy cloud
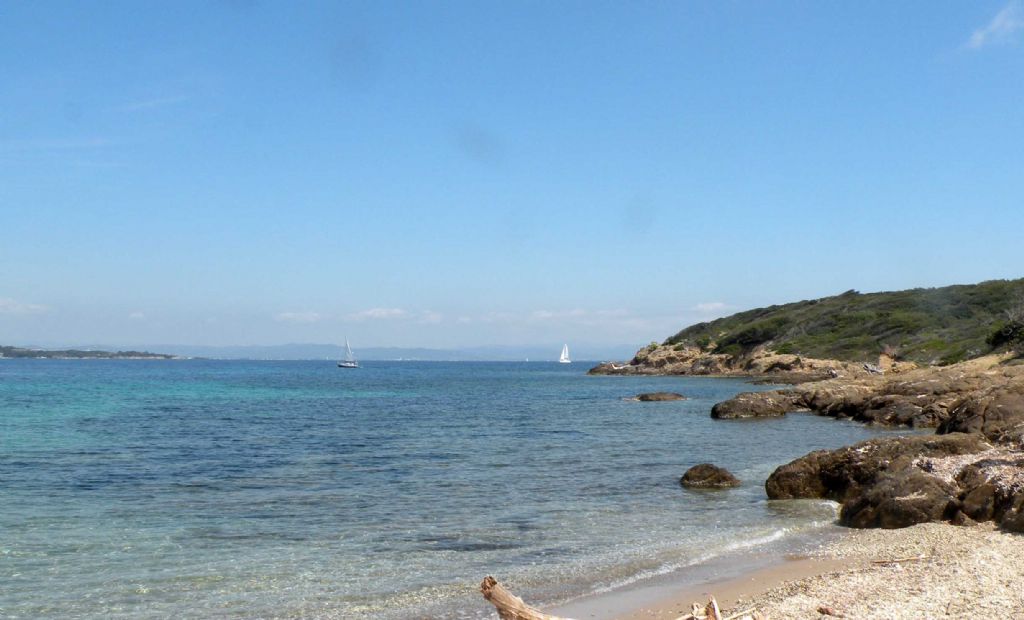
376	314
709	307
1001	30
13	307
150	104
574	316
548	315
137	316
430	317
298	317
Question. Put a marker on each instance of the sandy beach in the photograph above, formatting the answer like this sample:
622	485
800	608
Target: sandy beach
930	570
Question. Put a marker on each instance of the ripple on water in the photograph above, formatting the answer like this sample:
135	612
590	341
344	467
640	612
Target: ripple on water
289	489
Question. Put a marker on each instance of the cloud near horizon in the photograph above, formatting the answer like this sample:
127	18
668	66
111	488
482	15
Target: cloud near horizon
429	317
14	307
376	314
1001	30
711	306
298	317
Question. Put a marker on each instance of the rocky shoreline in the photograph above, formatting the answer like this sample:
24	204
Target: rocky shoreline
758	363
970	469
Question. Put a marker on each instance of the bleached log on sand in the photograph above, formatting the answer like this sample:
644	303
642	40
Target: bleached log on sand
509	606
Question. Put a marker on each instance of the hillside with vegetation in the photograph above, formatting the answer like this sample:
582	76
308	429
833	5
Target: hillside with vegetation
931	326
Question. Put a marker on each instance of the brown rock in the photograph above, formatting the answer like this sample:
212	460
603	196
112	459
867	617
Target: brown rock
756	405
843	474
996	412
659	396
708	476
1013	519
979	503
900	500
962	520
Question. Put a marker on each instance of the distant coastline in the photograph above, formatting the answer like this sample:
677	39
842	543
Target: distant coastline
7	352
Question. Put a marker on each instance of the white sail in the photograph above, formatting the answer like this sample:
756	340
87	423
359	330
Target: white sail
564	358
350	359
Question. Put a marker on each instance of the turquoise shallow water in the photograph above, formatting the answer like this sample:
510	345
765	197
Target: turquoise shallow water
295	489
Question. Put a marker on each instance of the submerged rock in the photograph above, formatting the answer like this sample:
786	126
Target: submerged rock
659	396
708	476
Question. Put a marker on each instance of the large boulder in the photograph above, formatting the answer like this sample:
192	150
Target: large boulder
996	412
841	474
900	500
708	476
971	470
757	405
659	396
899	481
992	489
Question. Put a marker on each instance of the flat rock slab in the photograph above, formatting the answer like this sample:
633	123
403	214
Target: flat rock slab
659	396
708	476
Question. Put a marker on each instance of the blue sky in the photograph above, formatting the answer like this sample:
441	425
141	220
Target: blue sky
461	173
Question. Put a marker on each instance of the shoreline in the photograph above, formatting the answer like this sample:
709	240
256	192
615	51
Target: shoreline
732	576
927	570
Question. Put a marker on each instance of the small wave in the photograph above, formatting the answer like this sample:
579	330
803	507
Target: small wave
706	557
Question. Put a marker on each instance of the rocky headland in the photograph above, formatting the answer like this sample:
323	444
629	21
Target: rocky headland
761	362
969	468
949	361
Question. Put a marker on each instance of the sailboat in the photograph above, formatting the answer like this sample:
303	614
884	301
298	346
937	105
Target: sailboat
350	360
564	358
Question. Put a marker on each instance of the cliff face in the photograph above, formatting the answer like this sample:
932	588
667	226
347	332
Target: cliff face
783	367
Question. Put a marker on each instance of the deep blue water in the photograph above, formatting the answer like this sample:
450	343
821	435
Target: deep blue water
295	489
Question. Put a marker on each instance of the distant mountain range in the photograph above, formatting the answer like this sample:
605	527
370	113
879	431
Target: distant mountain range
536	353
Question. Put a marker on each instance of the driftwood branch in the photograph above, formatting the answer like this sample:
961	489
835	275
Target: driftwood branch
509	606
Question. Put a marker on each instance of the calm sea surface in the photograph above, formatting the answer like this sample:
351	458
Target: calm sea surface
155	489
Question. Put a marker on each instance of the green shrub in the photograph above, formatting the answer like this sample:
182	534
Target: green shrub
929	325
729	349
954	356
1010	335
758	332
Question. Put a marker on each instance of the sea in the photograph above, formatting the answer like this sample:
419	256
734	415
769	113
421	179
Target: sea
295	489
